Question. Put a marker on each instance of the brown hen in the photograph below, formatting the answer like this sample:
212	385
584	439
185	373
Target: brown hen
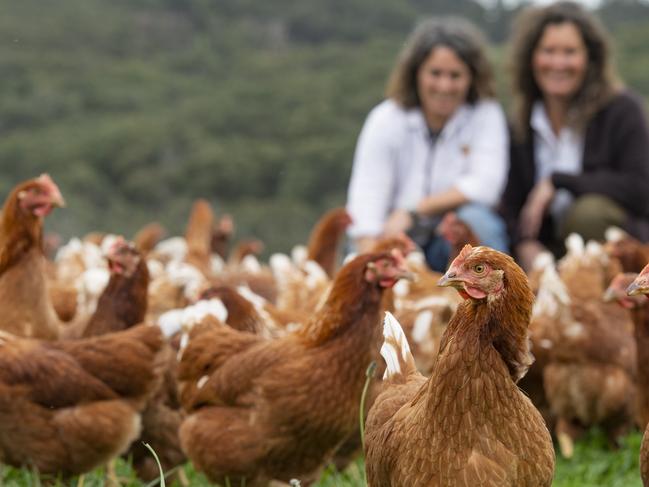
277	409
587	347
26	307
469	424
198	235
123	303
67	407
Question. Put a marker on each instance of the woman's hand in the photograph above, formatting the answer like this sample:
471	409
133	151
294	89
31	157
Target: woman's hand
535	207
397	223
526	253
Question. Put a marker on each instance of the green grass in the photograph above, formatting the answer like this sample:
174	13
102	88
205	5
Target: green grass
594	465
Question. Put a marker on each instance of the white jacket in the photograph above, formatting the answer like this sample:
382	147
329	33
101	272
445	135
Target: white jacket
396	164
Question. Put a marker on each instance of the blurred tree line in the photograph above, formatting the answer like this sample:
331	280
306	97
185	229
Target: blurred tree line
138	107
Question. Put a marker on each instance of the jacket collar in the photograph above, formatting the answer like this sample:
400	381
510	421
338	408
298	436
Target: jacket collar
417	123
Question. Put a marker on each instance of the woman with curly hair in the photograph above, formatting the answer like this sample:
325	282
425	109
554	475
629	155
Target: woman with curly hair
579	157
437	144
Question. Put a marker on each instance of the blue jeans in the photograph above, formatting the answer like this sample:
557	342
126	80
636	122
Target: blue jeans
487	225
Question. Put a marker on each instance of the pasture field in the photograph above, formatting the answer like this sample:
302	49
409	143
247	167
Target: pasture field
594	465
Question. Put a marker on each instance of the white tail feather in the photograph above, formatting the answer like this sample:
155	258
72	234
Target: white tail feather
596	250
575	245
299	255
395	349
543	260
615	234
552	294
423	322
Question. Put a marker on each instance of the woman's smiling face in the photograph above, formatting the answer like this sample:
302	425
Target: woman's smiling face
443	82
560	61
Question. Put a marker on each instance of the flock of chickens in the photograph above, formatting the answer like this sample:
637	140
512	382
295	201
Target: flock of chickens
255	372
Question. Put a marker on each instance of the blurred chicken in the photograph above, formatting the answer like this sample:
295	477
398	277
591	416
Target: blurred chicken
586	345
587	269
67	407
301	284
124	301
82	271
175	283
64	299
222	236
198	235
148	236
552	306
326	237
24	299
638	307
277	409
245	248
422	308
122	305
632	254
641	316
469	424
242	314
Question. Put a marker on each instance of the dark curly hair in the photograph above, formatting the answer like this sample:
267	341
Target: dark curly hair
600	82
461	37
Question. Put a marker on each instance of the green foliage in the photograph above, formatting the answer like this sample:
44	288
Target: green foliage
595	465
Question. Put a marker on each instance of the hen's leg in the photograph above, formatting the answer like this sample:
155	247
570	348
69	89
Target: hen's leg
182	478
111	474
567	433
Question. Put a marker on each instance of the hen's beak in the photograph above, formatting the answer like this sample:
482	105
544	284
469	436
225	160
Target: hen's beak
406	274
57	200
639	286
609	295
450	279
402	267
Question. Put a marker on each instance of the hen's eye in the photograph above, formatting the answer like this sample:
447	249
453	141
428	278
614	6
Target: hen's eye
479	268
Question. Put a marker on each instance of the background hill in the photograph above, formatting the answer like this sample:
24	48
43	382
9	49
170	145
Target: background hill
138	107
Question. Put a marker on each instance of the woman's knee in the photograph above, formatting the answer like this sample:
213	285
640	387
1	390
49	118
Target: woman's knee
590	215
488	226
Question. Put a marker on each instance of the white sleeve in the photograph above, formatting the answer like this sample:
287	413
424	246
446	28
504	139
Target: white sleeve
489	156
371	188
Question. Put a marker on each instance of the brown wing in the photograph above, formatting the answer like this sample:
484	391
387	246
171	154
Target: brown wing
48	377
128	362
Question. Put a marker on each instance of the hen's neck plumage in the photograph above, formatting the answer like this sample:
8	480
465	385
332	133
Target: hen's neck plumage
123	303
480	327
242	315
20	232
352	299
640	316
